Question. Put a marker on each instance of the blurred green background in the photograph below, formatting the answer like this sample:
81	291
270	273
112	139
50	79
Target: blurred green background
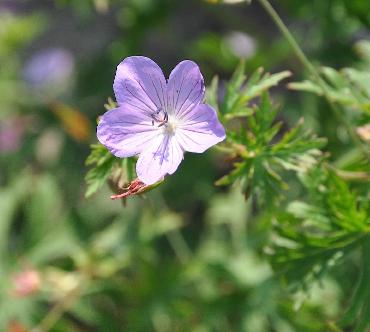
189	256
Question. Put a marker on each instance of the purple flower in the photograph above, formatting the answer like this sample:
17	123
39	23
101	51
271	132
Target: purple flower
158	119
49	68
12	131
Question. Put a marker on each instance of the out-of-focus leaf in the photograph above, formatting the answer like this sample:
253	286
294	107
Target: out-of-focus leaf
164	224
358	309
313	237
349	87
74	122
17	31
59	242
211	93
10	198
43	209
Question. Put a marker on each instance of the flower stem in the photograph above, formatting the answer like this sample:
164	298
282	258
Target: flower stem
179	245
57	311
289	37
312	70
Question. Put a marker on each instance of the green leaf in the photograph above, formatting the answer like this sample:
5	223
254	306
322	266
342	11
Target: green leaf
349	87
211	93
264	83
239	90
260	159
358	309
17	31
97	176
107	166
313	236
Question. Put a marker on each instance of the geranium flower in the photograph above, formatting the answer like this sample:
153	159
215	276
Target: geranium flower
157	119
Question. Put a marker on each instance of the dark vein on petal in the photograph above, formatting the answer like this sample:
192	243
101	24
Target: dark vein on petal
198	132
173	95
191	106
189	120
189	138
187	98
135	96
165	147
129	134
144	90
142	109
156	153
156	91
178	93
134	123
187	124
165	98
134	139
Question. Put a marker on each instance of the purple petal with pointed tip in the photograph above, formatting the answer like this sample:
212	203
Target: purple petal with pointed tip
200	129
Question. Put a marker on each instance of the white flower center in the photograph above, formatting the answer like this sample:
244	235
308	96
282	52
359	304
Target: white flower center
171	125
167	122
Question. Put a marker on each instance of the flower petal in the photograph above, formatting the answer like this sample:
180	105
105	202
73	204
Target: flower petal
185	88
163	157
141	83
125	131
200	129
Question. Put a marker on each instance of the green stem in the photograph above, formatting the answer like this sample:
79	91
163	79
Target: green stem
57	311
179	245
223	149
289	37
361	293
312	70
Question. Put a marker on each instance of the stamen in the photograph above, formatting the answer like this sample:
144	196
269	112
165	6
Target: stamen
162	120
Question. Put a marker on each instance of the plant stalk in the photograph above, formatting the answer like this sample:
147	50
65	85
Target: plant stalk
312	70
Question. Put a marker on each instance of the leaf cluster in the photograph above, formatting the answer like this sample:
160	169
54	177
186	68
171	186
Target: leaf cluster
261	151
314	235
107	166
239	91
349	87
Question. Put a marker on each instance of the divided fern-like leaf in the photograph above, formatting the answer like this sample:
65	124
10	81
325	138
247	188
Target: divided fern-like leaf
106	166
259	159
312	235
349	87
239	91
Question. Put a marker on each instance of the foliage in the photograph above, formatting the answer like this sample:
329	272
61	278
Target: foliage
312	237
106	166
332	222
291	254
238	91
349	87
257	153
